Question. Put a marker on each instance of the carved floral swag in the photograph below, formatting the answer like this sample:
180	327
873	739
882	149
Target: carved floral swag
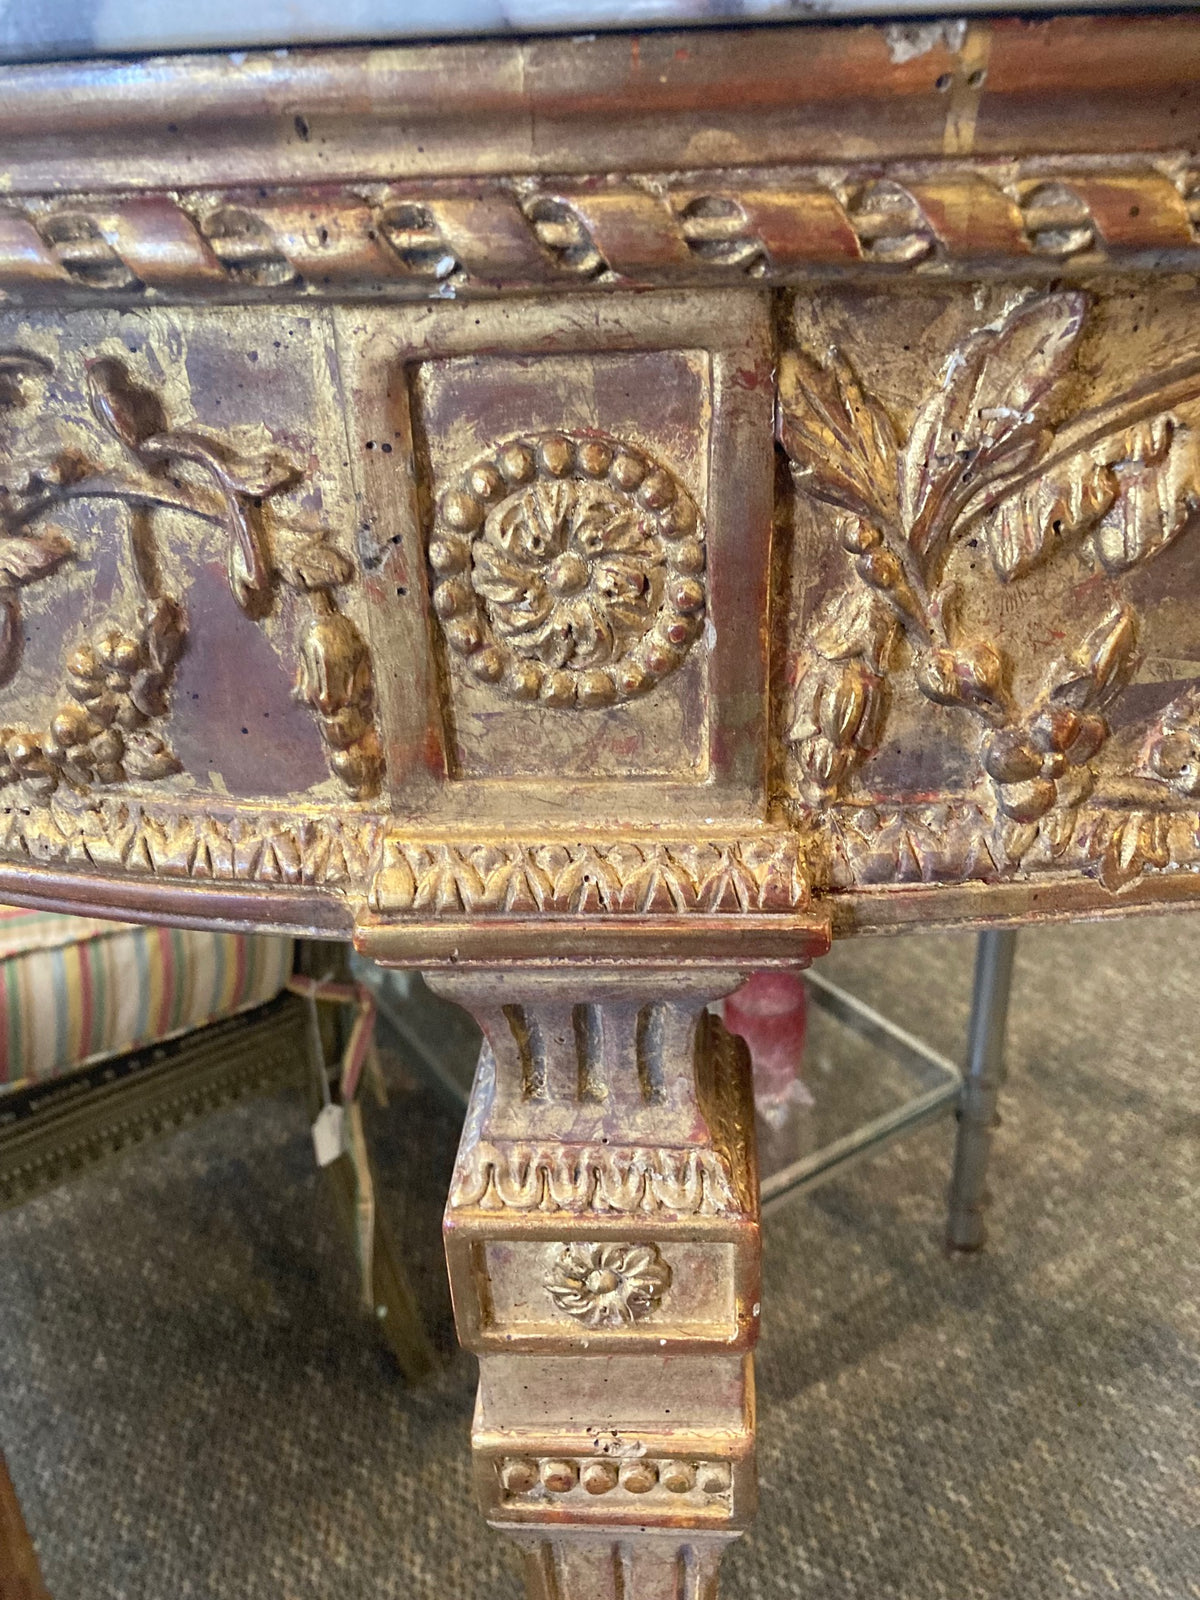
118	685
987	456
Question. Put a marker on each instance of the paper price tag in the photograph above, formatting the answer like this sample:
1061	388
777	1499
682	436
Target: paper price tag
329	1134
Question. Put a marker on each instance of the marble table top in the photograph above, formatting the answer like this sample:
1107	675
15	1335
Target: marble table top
33	30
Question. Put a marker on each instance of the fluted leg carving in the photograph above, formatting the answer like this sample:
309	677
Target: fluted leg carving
602	1235
644	1567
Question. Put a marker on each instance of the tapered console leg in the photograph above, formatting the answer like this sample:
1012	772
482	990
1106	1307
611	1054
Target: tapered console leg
977	1115
602	1235
641	1567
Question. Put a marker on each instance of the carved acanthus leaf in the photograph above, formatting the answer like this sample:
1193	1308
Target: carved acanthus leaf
1157	470
729	876
1171	752
1134	493
840	437
1103	663
956	841
1058	506
304	559
989	415
26	557
1124	844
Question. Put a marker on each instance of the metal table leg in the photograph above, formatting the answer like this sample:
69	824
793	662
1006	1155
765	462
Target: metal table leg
984	1076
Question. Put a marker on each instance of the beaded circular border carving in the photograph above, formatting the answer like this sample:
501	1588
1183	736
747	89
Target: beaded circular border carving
569	569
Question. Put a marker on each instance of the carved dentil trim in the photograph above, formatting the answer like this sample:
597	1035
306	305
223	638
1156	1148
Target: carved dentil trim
593	877
569	569
593	1178
765	224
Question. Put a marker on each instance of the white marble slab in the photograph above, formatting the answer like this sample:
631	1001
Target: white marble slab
43	29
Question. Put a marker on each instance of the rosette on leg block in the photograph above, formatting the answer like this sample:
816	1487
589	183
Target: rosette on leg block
602	1235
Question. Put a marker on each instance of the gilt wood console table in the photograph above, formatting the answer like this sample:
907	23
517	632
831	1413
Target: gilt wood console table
590	518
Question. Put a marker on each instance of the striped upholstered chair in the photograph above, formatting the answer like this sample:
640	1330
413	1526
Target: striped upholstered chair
112	1033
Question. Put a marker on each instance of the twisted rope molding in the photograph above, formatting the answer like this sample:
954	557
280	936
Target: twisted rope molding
490	237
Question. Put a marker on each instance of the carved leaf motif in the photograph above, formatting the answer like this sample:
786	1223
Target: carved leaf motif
587	883
257	475
1124	846
148	757
1064	504
164	632
240	484
251	474
1135	495
972	674
247	571
15	367
989	414
728	886
24	559
448	884
1158	478
840	438
1102	665
129	411
307	561
516	885
856	622
658	884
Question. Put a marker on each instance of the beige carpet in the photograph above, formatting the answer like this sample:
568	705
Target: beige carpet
191	1407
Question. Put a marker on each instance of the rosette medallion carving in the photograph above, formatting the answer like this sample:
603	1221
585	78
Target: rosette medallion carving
607	1285
569	570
